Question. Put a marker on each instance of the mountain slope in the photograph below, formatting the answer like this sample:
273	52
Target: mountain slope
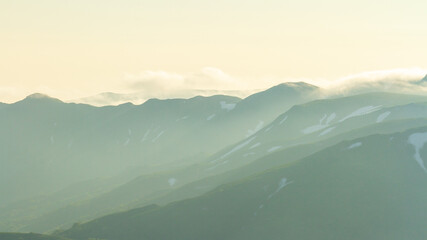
50	145
157	188
319	120
368	188
277	99
45	138
272	160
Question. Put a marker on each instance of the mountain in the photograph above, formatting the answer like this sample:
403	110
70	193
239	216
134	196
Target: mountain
111	98
161	187
277	99
367	188
194	181
51	145
319	120
20	214
291	154
156	189
41	137
109	159
45	136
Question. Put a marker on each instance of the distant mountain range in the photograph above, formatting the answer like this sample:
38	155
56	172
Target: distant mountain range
112	98
348	88
50	144
287	162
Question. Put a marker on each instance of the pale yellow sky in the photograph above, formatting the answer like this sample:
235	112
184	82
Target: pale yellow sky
77	48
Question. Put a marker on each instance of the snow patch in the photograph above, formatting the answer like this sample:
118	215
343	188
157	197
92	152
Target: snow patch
227	106
126	142
282	183
418	140
274	149
256	129
327	131
268	129
362	111
240	146
180	119
330	118
210	117
355	145
129	132
248	154
158	136
52	140
172	181
323	123
283	120
382	116
145	135
217	165
255	145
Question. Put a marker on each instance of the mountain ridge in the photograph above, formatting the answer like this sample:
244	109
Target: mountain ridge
271	204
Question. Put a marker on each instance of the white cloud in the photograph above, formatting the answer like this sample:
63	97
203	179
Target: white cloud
208	78
208	81
139	87
394	80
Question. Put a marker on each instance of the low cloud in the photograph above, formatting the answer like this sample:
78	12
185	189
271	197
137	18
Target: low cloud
137	88
206	78
212	80
395	80
207	81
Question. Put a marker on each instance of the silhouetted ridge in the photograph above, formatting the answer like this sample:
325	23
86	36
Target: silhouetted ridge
302	85
37	96
40	97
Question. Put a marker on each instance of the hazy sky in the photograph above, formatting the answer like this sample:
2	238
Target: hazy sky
75	48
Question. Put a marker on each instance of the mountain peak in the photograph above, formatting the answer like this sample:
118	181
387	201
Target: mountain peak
38	96
297	85
293	87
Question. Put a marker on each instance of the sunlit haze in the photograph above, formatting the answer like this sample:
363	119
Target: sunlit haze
75	49
213	120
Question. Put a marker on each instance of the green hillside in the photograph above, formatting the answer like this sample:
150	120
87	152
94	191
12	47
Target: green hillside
367	188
